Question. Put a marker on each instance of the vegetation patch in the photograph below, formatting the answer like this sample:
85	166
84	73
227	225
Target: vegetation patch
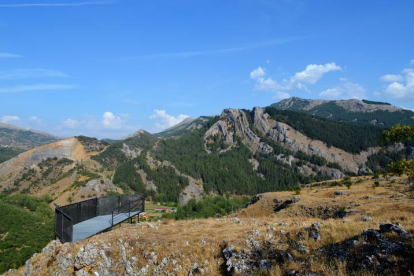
26	227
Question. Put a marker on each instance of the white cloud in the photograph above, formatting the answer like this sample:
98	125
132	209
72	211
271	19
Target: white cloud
331	93
281	95
109	120
31	74
9	55
401	90
391	78
70	123
412	61
268	84
35	119
257	73
166	120
7	119
314	72
345	90
36	87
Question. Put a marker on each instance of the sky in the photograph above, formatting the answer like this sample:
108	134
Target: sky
106	68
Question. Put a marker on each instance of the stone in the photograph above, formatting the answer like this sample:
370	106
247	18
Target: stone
366	218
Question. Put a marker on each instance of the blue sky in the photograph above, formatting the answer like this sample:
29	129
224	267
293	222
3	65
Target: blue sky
108	68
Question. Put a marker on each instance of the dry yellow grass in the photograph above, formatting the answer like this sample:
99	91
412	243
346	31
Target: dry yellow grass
202	241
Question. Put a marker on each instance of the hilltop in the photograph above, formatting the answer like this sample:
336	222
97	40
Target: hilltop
327	229
361	112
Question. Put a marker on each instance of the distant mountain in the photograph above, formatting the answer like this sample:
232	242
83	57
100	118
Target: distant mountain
360	112
238	152
14	140
185	126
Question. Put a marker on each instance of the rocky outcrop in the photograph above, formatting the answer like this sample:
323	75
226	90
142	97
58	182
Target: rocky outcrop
387	251
130	153
295	141
241	128
91	144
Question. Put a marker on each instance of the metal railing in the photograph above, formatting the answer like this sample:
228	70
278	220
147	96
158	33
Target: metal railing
123	212
69	215
63	225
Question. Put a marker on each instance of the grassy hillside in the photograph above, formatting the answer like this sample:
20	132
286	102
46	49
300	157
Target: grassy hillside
327	230
26	227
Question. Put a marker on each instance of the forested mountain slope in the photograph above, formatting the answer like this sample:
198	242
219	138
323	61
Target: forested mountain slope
242	152
247	152
359	112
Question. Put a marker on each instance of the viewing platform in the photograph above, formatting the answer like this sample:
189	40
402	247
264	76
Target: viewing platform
81	220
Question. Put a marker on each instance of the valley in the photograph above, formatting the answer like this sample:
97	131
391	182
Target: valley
292	167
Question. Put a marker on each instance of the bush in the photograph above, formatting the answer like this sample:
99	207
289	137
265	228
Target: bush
347	182
209	207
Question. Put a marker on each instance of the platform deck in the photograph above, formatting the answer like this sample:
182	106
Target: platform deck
97	224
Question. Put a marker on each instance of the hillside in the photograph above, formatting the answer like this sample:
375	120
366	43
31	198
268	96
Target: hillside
359	112
325	230
185	126
240	152
26	227
63	170
15	140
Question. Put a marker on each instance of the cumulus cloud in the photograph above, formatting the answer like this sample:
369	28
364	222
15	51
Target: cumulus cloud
391	78
314	72
402	89
281	96
109	120
257	73
345	90
165	120
9	118
311	75
70	123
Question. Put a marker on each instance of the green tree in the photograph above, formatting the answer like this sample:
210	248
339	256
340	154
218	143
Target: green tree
401	134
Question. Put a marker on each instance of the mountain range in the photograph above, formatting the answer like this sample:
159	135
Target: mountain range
238	152
360	112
